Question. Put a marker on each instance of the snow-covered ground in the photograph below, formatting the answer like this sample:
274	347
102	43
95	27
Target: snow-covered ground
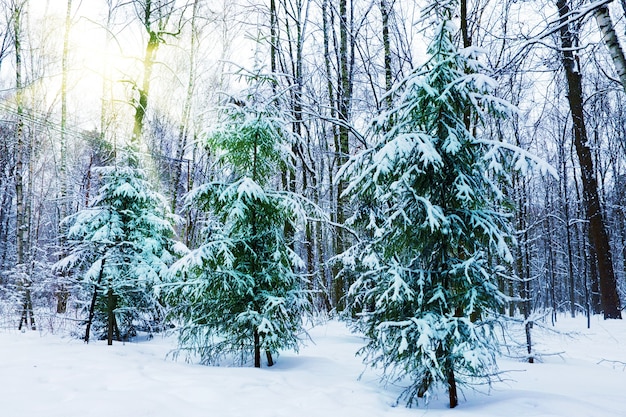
46	375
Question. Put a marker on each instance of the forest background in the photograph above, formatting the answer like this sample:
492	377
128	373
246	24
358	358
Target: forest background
80	81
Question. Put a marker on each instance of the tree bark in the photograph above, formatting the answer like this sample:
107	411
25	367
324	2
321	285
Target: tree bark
273	43
328	22
603	18
154	40
342	143
452	391
63	139
384	11
105	107
22	220
257	349
593	210
94	298
570	255
596	304
110	315
142	104
27	310
183	128
467	40
22	229
548	233
62	292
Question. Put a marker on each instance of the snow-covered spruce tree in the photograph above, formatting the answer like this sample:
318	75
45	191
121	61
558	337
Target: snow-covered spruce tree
240	292
434	222
121	246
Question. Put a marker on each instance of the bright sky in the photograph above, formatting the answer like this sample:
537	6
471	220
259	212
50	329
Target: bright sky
92	57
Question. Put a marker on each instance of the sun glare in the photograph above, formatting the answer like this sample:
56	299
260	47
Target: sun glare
104	68
102	64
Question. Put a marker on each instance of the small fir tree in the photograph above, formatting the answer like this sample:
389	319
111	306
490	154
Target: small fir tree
434	223
240	292
123	245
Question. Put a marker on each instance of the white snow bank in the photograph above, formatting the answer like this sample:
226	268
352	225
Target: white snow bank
50	376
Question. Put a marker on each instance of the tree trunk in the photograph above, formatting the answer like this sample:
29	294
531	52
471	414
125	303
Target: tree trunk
342	143
5	218
570	255
110	316
22	221
273	43
603	18
327	26
28	315
62	292
142	104
105	107
597	231
63	139
452	392
183	128
257	349
94	298
22	229
552	270
596	304
148	63
384	11
92	310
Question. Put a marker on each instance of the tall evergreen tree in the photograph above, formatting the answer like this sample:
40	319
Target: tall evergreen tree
240	292
123	244
434	222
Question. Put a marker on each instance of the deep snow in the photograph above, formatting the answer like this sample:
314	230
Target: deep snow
42	374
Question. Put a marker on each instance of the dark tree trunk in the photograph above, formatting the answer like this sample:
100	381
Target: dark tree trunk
335	292
257	349
110	316
565	208
384	11
467	40
92	310
94	298
596	304
597	230
529	342
570	255
342	142
28	316
273	43
452	392
523	265
552	285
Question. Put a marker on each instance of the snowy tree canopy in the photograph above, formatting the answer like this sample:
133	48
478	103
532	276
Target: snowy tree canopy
122	244
434	221
240	291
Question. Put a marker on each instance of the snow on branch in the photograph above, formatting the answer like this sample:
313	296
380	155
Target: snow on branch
525	159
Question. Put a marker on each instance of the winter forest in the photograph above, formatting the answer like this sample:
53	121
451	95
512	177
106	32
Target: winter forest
428	172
